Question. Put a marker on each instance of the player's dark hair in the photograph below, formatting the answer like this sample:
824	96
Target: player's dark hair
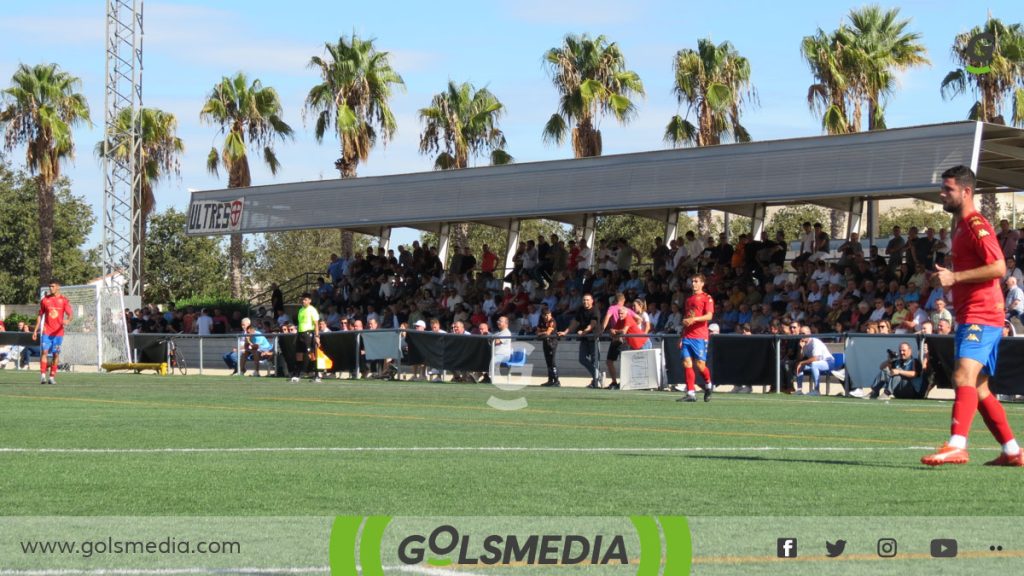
963	175
306	295
699	276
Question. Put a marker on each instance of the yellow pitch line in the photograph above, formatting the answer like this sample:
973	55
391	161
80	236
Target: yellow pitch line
851	557
531	410
450	420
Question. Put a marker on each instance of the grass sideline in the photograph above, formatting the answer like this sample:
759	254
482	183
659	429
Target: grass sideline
268	447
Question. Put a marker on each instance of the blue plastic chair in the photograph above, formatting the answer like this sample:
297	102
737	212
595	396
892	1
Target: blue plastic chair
517	360
838	363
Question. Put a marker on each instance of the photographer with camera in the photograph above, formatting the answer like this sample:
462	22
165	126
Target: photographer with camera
900	375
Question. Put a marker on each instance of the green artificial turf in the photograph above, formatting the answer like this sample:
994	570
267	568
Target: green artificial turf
724	471
746	469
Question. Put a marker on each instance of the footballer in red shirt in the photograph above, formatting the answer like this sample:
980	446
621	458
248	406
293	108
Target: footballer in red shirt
977	267
699	309
54	311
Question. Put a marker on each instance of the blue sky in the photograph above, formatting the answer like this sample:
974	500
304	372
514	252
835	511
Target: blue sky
189	46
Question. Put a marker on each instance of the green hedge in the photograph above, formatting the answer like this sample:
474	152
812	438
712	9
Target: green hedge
227	305
11	322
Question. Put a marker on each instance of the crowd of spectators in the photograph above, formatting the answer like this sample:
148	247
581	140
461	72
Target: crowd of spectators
759	286
774	285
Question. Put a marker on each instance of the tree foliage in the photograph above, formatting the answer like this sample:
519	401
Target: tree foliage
737	225
714	83
791	218
495	238
462	123
40	110
638	230
592	80
354	98
248	115
285	255
19	237
922	214
180	266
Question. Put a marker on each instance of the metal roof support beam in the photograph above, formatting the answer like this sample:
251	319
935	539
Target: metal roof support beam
671	225
757	218
384	238
854	216
872	209
444	233
590	237
1005	177
1003	150
511	244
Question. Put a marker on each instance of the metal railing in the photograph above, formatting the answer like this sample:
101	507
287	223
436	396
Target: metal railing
291	289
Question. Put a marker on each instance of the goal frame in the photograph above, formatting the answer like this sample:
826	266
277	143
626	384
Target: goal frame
97	309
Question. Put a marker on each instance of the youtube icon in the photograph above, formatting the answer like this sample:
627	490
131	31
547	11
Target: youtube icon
944	548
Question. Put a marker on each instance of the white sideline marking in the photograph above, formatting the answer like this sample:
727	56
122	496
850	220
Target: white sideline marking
426	570
457	449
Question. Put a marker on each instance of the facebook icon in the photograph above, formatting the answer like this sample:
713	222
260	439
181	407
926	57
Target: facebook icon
786	548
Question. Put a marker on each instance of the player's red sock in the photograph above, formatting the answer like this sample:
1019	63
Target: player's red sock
53	369
964	407
995	418
42	365
706	374
691	379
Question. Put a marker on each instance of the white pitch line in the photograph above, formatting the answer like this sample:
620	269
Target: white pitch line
458	449
166	571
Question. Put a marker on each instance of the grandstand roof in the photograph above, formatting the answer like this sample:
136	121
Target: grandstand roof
824	170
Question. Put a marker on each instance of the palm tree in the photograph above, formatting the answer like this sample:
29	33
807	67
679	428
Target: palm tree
829	95
713	81
353	98
161	151
855	67
881	47
460	123
1005	75
991	89
40	109
592	79
248	114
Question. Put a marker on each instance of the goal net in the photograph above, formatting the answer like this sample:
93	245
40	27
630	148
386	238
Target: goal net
97	333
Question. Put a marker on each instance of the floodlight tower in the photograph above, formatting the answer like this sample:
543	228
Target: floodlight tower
122	172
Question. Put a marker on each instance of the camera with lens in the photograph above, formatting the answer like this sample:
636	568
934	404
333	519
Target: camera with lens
893	355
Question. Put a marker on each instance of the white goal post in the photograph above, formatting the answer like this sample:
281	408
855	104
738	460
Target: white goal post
97	332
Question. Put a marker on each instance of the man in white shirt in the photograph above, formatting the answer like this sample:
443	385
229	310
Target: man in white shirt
204	324
503	344
817	359
1014	299
584	260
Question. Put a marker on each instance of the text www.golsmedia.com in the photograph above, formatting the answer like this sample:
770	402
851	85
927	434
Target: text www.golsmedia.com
87	548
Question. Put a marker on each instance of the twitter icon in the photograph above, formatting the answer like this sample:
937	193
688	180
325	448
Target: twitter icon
834	550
